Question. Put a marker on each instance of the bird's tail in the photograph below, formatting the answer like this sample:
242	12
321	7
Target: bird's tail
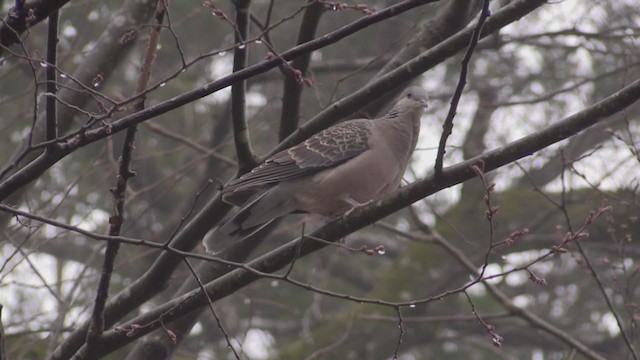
253	216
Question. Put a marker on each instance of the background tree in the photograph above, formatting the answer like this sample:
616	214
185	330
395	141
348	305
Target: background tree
121	120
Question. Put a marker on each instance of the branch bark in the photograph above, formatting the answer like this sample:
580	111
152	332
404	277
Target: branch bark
281	257
36	167
96	325
246	160
107	55
292	93
455	15
407	72
23	16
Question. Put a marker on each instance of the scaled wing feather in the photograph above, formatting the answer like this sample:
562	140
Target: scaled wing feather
328	148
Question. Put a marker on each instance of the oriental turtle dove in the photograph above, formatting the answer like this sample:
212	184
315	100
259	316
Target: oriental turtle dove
342	167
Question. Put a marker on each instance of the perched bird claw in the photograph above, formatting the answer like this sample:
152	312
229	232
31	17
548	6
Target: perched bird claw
356	205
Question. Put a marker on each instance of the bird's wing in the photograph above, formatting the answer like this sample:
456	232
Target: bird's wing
328	148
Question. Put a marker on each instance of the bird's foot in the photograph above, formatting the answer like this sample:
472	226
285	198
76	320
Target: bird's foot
355	205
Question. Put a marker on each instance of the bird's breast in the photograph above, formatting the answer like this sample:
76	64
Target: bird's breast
369	176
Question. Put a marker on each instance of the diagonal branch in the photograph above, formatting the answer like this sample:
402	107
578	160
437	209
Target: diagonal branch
453	17
501	297
407	72
450	176
108	53
589	265
34	169
23	16
195	275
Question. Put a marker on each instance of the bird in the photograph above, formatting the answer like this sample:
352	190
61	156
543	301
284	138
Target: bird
343	167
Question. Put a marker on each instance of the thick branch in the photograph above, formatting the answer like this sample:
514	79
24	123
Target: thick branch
108	53
293	86
246	159
51	88
407	72
453	17
34	169
23	16
281	257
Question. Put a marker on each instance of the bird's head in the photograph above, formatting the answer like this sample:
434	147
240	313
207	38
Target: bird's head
412	99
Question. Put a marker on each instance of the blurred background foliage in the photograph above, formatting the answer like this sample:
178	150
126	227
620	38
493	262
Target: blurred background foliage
555	61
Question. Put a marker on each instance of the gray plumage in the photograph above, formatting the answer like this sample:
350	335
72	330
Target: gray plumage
342	167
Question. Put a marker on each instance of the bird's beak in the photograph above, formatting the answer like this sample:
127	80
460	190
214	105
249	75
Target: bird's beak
424	103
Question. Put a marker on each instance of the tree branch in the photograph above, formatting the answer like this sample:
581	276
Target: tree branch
447	126
293	83
246	160
407	72
97	322
3	352
281	257
51	88
454	16
23	16
503	299
35	168
107	54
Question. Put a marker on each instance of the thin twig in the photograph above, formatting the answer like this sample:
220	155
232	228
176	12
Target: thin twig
496	339
489	215
505	16
435	318
293	262
396	351
97	324
380	250
562	207
161	130
173	309
447	126
213	310
193	206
